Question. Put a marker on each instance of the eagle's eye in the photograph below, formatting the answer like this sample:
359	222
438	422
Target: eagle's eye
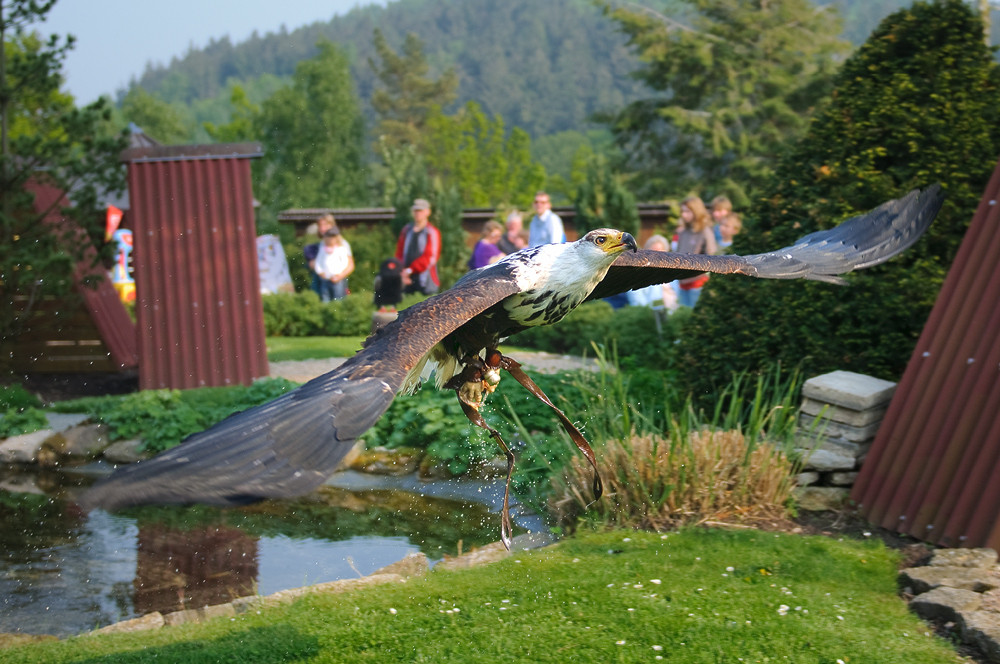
600	239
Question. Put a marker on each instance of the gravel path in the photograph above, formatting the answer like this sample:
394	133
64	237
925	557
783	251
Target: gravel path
301	371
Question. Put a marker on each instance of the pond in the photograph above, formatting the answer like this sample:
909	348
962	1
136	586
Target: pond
64	571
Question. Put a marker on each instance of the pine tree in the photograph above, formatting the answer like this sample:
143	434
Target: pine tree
735	81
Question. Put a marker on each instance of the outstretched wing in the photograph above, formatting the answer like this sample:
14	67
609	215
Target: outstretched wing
861	241
289	446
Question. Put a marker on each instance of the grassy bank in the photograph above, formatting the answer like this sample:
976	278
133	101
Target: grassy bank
619	596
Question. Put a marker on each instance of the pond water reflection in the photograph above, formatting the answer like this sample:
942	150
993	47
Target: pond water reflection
63	571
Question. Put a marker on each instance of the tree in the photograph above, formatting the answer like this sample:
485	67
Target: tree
241	120
164	122
918	103
475	154
46	140
736	80
602	201
407	95
313	136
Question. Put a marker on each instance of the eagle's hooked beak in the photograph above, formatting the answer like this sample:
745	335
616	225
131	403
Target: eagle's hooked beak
628	242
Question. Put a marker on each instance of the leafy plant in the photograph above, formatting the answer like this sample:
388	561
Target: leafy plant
15	396
17	421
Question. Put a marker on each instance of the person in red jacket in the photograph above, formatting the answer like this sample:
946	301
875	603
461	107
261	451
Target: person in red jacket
419	248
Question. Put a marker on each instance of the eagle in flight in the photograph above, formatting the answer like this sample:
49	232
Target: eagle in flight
291	445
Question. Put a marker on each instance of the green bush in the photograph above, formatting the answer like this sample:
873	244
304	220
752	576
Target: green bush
16	421
303	315
918	103
15	396
163	418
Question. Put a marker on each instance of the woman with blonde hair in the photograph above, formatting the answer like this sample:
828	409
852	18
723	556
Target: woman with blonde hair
486	250
695	236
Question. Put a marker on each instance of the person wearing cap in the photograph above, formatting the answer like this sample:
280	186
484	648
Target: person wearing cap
310	251
334	262
419	249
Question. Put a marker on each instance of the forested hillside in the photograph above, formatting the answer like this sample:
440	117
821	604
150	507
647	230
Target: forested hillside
543	66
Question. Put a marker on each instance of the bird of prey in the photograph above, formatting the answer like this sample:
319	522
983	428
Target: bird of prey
291	445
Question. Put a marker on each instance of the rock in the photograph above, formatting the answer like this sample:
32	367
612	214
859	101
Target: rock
980	558
831	429
126	451
945	603
821	498
23	448
490	553
414	564
383	461
982	628
855	418
806	478
199	615
344	585
529	541
923	579
842	478
83	441
19	484
149	621
821	459
849	390
63	421
14	639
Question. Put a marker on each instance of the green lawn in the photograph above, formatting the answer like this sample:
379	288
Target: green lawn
281	349
621	596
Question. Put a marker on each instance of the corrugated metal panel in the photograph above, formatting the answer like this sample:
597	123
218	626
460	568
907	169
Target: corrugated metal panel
934	469
117	349
198	301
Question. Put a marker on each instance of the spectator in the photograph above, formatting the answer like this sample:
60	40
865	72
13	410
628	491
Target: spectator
334	262
486	250
652	296
546	226
729	227
720	206
695	237
513	240
309	252
419	249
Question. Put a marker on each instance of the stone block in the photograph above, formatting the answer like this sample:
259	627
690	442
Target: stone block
806	478
149	621
24	448
849	390
831	429
982	628
842	478
982	558
856	418
945	603
126	451
414	564
821	498
822	459
923	579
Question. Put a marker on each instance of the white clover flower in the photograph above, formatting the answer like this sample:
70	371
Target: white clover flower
656	581
393	611
783	610
620	643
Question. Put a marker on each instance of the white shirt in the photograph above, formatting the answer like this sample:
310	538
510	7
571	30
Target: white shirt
331	261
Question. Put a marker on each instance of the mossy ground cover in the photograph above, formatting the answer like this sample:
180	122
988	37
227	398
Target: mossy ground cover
617	596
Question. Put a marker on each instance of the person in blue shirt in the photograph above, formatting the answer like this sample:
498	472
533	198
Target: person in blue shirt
546	226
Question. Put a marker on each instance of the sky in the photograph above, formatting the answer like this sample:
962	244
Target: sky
116	38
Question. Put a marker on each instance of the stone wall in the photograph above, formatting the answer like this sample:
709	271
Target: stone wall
841	413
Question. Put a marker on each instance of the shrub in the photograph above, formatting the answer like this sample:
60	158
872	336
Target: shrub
656	483
16	421
918	103
15	396
303	315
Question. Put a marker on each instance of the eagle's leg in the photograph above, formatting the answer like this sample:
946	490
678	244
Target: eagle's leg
476	418
477	379
514	369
